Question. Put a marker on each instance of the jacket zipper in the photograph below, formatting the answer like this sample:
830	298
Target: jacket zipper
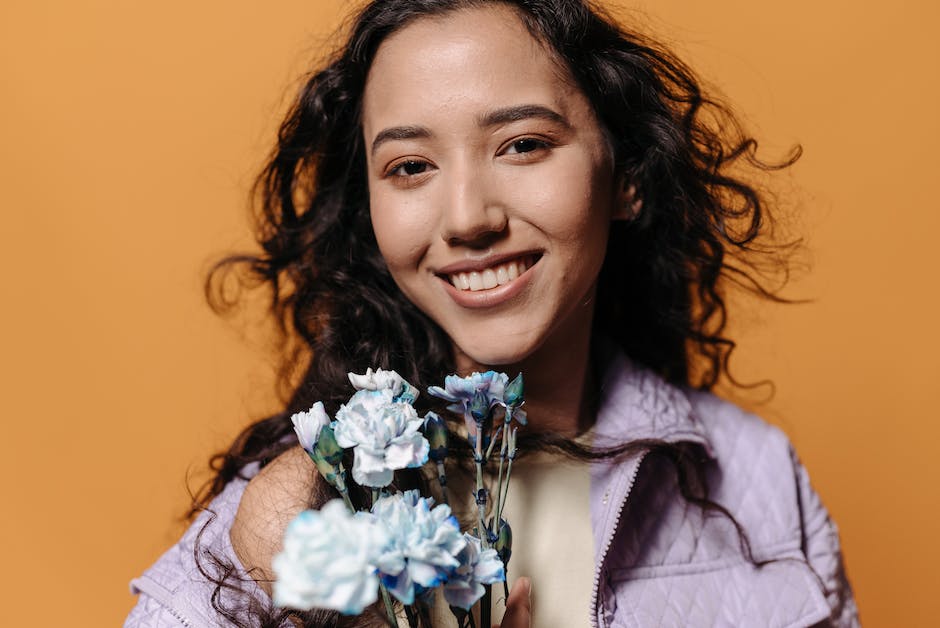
598	569
158	593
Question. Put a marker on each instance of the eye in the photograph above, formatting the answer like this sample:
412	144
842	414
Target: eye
526	149
408	168
526	145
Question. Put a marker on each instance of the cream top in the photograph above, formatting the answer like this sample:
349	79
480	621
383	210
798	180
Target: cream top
548	508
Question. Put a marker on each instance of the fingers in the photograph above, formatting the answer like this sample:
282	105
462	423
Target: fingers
518	606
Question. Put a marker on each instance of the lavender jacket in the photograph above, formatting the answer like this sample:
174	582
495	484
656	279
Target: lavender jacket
658	560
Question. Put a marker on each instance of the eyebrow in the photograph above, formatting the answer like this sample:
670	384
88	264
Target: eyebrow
521	112
399	133
493	118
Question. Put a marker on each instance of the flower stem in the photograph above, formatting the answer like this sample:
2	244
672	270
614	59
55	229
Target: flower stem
499	483
347	501
480	494
442	481
389	609
505	492
486	607
481	505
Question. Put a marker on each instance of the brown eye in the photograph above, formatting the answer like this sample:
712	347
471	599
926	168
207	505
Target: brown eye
409	168
527	145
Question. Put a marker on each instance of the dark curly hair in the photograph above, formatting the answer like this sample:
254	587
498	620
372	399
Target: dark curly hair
661	289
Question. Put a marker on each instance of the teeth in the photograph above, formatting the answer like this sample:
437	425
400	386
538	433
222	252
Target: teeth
490	277
476	282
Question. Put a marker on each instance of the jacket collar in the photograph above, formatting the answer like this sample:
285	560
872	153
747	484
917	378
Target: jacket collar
638	404
635	404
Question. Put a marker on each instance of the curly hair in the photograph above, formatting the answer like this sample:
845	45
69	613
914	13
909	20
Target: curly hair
661	294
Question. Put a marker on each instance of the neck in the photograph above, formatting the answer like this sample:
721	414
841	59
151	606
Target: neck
558	377
557	389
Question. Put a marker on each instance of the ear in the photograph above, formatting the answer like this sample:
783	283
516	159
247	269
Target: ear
627	205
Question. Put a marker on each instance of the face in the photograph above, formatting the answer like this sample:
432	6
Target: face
491	184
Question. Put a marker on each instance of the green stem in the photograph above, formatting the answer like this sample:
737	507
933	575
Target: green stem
347	501
389	609
505	490
481	506
499	484
442	481
486	607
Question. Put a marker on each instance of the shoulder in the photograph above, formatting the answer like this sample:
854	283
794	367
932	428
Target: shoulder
738	435
758	476
279	492
234	538
182	585
765	486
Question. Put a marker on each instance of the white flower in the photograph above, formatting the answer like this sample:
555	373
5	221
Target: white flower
423	544
308	424
381	379
385	434
464	585
329	560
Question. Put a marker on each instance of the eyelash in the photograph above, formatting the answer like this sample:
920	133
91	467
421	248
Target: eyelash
398	170
540	144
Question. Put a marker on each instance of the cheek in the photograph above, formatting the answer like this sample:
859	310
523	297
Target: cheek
573	208
401	229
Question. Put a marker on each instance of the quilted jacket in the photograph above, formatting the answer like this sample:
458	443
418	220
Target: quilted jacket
659	561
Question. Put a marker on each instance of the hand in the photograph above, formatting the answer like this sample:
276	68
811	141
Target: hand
519	606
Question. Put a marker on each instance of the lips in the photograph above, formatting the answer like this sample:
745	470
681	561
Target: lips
492	276
486	274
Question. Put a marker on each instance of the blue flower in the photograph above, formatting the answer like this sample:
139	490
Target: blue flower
385	433
329	560
423	545
464	584
308	425
381	379
472	396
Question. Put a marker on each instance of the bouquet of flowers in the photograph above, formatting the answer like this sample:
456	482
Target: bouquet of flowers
405	546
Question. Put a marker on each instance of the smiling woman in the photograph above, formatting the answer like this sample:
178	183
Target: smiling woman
505	171
529	187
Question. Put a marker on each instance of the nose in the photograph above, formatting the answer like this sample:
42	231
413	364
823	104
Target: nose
472	213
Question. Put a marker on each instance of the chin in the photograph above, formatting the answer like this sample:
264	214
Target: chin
495	353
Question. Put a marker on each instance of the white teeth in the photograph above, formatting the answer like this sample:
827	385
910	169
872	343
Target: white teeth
490	277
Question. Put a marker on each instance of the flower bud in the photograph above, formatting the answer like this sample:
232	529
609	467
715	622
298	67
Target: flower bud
503	543
435	431
514	395
479	406
327	447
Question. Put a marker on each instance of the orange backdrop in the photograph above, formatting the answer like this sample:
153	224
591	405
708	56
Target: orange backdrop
130	133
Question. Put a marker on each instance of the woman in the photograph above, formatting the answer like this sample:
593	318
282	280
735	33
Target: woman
528	187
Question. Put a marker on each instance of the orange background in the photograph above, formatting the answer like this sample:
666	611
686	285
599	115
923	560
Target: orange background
130	132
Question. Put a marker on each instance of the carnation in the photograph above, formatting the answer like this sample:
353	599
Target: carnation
477	567
308	425
329	560
385	434
380	379
423	544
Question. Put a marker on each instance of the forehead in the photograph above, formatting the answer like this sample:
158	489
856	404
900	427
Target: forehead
472	59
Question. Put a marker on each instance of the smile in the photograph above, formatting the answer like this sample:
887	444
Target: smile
488	278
